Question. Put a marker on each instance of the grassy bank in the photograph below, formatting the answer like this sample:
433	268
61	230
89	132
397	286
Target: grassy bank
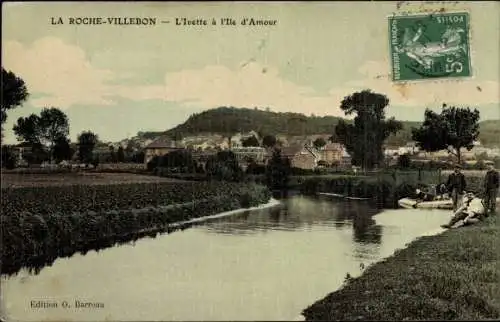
452	276
41	224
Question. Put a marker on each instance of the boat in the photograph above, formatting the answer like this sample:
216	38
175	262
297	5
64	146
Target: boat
410	203
341	196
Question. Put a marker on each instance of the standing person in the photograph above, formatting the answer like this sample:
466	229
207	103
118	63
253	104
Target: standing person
491	189
456	185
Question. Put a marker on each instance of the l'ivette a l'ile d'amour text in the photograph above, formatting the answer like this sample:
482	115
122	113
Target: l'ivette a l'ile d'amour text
225	22
152	21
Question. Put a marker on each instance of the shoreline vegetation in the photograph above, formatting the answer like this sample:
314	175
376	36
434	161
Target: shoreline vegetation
454	275
451	276
41	224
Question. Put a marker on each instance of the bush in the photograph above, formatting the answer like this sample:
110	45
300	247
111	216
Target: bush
153	163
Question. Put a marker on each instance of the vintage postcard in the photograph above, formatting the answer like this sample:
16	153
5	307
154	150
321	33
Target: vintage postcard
250	161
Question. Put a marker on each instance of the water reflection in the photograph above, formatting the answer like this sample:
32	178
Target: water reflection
260	265
304	213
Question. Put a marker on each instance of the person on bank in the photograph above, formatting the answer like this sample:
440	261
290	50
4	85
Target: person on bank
456	186
491	189
471	211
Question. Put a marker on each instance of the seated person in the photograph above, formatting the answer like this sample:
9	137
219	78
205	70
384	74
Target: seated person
427	195
471	212
442	192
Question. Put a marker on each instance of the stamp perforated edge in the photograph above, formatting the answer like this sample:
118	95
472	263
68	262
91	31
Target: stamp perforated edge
421	11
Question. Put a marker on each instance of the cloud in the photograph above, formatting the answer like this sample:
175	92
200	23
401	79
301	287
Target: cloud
65	76
253	85
425	93
61	71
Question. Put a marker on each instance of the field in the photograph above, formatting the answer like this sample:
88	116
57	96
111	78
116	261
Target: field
46	216
14	180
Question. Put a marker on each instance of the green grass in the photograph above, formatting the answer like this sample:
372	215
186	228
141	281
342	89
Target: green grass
452	276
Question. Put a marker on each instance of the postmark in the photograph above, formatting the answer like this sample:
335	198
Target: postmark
430	46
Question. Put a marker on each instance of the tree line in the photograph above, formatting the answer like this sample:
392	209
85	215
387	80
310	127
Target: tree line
364	137
47	133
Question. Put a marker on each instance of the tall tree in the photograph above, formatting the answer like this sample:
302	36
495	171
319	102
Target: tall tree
62	149
86	143
120	154
364	138
269	141
319	143
52	125
278	171
453	129
26	129
112	154
250	141
14	93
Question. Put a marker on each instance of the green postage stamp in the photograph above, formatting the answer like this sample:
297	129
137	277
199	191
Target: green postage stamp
430	46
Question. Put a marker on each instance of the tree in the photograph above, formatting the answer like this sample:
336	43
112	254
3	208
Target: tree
14	93
453	129
138	157
8	157
120	154
364	138
180	159
86	143
319	143
62	149
112	155
26	129
250	141
269	141
52	125
404	161
278	171
224	166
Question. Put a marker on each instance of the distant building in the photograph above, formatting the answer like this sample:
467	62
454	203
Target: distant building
331	153
300	156
245	154
159	148
346	161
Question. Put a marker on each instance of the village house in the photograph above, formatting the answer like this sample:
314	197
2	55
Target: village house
245	154
300	156
331	153
159	148
346	161
201	157
238	138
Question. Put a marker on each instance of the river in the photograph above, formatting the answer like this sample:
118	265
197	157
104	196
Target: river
266	264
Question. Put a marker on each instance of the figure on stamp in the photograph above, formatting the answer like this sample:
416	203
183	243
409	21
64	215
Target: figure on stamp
424	53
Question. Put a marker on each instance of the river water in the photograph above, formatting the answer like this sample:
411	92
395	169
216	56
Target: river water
266	264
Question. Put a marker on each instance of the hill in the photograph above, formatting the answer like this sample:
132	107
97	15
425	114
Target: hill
231	120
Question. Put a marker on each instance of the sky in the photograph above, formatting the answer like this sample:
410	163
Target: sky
117	80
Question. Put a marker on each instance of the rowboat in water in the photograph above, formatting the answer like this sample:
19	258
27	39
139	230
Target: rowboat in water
336	195
410	203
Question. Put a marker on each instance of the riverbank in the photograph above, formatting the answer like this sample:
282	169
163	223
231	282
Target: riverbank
451	276
383	190
40	224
